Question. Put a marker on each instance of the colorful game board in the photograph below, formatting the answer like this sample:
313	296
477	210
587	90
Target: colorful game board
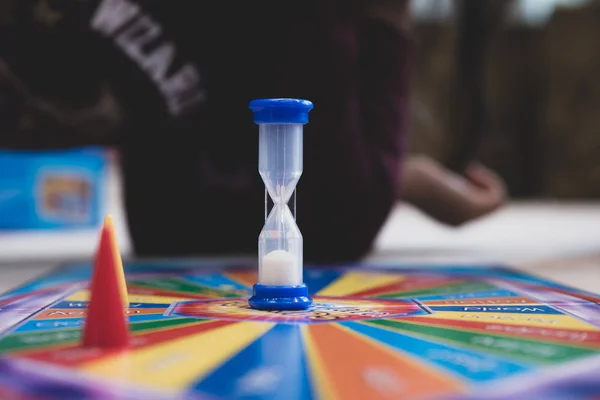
372	333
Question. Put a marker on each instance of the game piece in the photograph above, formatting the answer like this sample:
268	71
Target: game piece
280	267
105	325
109	231
373	332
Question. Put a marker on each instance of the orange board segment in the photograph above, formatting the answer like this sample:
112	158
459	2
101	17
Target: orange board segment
373	372
63	313
245	277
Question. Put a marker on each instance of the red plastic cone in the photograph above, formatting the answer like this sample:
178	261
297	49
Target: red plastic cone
106	325
109	230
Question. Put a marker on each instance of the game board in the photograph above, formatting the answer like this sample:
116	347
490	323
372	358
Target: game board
372	333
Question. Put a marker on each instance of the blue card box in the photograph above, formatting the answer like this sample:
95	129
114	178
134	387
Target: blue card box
42	190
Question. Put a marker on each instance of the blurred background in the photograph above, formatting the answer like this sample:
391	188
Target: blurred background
532	66
513	84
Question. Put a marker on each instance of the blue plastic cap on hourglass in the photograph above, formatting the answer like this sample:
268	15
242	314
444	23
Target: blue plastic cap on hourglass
280	245
281	111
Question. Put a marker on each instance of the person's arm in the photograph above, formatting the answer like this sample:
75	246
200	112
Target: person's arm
448	197
456	190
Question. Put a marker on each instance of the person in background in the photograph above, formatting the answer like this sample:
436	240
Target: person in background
458	190
168	84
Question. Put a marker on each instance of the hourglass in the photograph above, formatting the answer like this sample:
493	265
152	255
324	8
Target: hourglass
280	279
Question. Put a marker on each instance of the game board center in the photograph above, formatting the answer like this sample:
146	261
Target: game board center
279	268
324	309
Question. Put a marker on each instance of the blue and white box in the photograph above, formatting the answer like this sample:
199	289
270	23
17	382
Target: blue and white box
58	189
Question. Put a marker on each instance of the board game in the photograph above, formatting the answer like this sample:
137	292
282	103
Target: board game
278	329
373	332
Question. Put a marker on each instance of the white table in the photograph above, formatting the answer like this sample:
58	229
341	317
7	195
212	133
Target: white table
559	241
555	240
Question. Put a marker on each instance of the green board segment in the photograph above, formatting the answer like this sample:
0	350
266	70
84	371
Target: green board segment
529	350
33	339
461	287
182	286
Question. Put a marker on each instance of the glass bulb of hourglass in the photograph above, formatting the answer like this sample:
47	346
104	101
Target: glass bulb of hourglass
280	159
280	249
280	188
280	167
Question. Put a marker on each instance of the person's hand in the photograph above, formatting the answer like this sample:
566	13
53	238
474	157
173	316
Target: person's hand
448	197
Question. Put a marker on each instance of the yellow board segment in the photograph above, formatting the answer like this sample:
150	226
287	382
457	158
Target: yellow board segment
539	320
84	295
175	365
168	328
110	226
318	370
353	282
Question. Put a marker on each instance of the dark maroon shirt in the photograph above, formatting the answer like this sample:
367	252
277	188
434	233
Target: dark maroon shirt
188	143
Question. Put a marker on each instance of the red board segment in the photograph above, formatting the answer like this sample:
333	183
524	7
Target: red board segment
7	393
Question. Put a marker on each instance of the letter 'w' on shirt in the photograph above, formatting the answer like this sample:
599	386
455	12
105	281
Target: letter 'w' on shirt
132	29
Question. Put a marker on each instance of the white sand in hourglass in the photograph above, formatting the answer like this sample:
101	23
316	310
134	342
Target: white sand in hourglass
279	267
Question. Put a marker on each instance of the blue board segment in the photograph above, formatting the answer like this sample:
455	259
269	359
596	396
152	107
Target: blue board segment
217	281
529	309
84	304
471	365
273	367
67	323
71	304
317	279
50	324
471	295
